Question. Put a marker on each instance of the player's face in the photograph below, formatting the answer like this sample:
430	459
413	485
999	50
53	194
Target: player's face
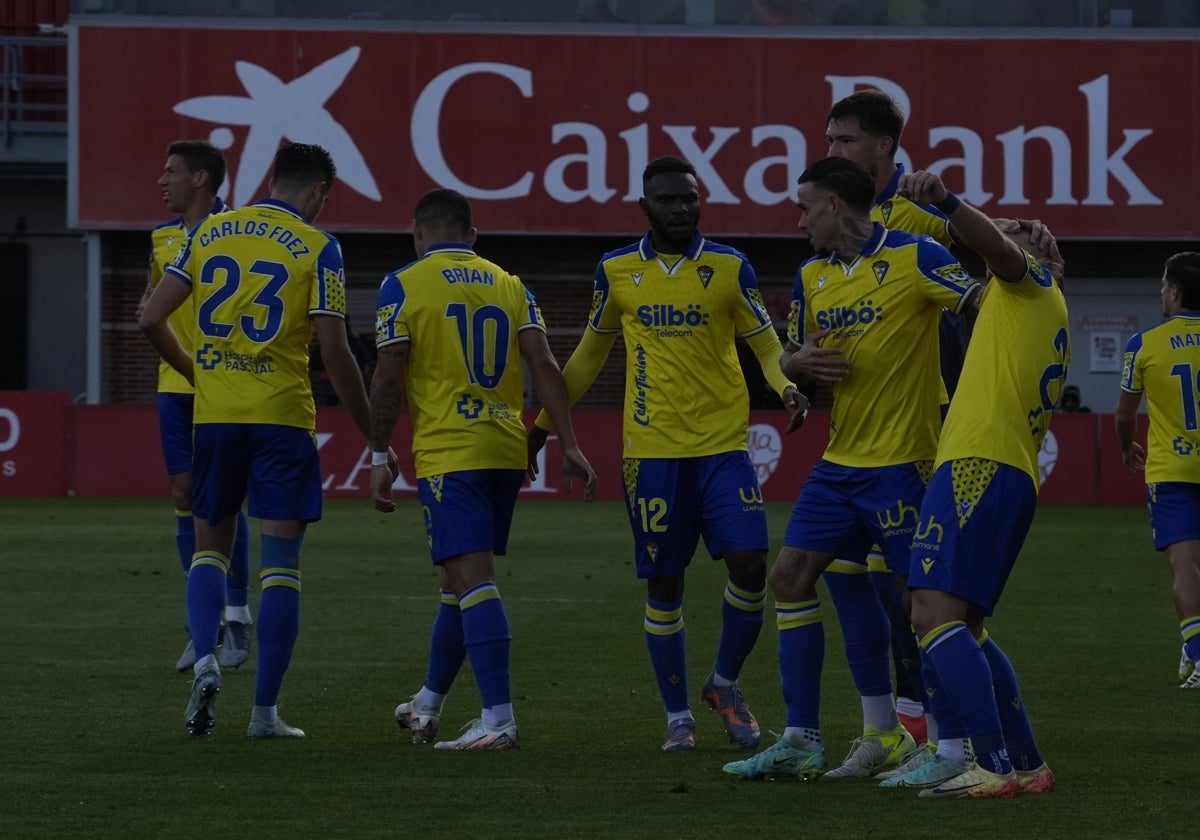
178	185
847	140
672	206
818	217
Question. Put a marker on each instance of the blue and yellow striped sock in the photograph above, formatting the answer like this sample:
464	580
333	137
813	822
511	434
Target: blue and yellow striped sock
1018	731
185	538
801	658
447	649
1189	628
666	640
966	679
278	614
741	625
238	591
488	642
206	599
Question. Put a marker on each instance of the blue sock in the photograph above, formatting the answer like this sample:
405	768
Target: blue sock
206	599
185	538
866	631
278	614
447	649
667	642
905	651
966	679
1189	628
801	658
948	725
239	565
488	642
1018	732
741	625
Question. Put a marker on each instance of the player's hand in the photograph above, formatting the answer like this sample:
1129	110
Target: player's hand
922	187
574	464
1045	248
1135	458
534	442
797	406
812	362
382	478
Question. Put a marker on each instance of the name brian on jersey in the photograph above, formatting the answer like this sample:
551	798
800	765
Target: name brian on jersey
245	227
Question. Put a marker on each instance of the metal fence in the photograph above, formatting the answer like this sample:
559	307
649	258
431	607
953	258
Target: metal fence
33	78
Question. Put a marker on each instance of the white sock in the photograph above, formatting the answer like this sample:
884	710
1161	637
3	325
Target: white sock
267	714
957	750
721	682
909	707
931	729
427	700
200	663
497	716
676	717
879	711
237	615
802	737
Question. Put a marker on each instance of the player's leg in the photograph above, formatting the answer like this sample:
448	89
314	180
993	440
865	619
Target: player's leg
906	655
1183	558
661	498
175	434
235	636
469	515
447	652
734	527
284	493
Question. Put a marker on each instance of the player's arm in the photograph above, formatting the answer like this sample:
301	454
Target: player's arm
343	369
1125	420
552	392
387	401
167	296
580	372
974	229
769	353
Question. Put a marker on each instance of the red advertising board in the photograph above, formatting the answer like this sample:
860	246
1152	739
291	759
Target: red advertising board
33	443
49	447
549	132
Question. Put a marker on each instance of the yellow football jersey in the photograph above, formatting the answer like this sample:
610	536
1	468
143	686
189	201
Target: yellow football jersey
257	275
895	212
685	394
460	315
1163	362
1013	374
166	241
882	308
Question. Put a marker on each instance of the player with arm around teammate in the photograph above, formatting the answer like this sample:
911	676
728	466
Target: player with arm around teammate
981	499
680	301
264	279
1163	364
457	327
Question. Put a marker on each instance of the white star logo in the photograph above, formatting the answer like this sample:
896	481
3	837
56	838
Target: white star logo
276	111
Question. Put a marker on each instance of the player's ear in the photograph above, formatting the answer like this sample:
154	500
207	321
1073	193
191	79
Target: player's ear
472	233
645	209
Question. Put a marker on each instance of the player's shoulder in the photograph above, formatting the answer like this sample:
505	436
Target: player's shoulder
633	248
896	238
723	250
164	227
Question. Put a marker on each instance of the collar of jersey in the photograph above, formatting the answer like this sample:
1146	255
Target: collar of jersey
451	246
890	190
280	205
646	250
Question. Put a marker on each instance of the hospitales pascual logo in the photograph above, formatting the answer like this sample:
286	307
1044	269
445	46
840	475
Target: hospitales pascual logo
275	111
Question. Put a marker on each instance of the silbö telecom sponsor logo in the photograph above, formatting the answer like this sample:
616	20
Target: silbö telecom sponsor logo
669	321
849	321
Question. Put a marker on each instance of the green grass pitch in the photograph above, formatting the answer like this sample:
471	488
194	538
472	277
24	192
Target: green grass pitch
91	710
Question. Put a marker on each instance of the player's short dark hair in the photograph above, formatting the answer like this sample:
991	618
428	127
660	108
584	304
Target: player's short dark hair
445	209
303	164
201	156
877	114
845	179
1183	271
667	163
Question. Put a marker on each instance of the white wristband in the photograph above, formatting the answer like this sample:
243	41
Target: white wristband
379	459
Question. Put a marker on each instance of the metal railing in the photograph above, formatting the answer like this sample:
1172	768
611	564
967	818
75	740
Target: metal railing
32	102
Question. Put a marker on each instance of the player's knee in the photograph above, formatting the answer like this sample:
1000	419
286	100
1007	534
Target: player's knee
667	588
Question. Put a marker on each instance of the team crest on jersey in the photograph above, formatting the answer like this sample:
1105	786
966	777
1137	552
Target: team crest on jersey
706	274
886	210
652	551
880	267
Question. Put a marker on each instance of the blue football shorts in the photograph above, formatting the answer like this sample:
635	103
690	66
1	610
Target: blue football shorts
175	431
673	502
468	511
1174	512
274	468
845	510
973	523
